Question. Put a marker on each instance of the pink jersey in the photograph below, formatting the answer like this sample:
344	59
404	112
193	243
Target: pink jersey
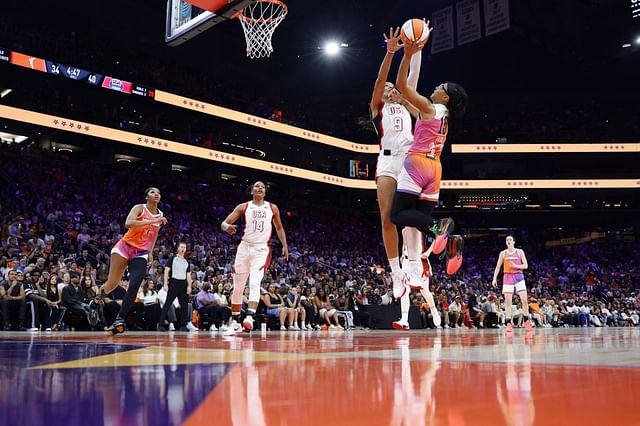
430	135
142	237
512	275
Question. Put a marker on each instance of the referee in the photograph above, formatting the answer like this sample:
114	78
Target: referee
176	274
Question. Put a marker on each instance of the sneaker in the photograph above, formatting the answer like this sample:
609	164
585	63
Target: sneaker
446	326
117	327
339	327
442	229
399	284
33	329
173	327
213	328
294	328
190	327
224	328
332	327
48	330
436	317
528	326
247	324
415	277
309	327
283	328
509	328
455	244
400	325
233	329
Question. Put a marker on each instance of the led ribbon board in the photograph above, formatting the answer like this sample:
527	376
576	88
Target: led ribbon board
75	126
555	148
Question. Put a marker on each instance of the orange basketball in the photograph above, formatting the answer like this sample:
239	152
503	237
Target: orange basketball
414	30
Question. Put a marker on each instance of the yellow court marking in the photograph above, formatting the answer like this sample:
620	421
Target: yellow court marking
156	355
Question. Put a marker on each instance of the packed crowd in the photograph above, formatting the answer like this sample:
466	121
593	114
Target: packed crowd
57	232
517	118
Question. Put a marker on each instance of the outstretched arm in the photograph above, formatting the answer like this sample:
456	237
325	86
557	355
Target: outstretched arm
410	94
227	225
393	45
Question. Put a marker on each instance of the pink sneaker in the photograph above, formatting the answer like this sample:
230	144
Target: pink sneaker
509	328
442	231
528	326
399	325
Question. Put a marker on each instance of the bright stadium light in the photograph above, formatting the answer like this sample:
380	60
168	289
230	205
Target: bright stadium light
332	48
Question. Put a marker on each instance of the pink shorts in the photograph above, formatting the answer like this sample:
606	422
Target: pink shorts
129	252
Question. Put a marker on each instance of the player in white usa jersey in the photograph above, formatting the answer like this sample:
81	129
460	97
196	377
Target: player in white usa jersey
391	116
253	255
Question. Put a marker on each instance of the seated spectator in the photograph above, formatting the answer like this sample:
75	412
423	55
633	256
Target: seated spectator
356	307
293	301
36	300
276	307
72	298
13	304
326	311
456	316
56	308
89	297
208	307
310	308
148	314
221	299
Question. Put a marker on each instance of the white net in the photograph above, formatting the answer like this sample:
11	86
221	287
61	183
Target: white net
259	20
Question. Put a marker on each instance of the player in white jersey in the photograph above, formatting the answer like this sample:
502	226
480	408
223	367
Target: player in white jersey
253	255
391	117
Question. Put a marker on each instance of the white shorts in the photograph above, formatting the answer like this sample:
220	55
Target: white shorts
390	165
252	258
330	312
519	287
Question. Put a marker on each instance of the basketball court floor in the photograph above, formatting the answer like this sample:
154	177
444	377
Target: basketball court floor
449	377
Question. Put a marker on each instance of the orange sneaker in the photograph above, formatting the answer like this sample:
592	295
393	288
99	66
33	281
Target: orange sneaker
443	228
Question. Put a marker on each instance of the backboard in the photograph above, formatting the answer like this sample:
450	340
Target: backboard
185	20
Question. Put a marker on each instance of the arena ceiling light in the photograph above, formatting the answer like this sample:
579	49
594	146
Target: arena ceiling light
332	48
5	92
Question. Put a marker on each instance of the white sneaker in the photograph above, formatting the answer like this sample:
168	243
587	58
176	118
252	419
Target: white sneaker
436	317
48	330
332	327
224	328
309	327
399	284
339	327
294	328
446	326
33	330
234	328
247	324
173	327
190	327
283	328
213	328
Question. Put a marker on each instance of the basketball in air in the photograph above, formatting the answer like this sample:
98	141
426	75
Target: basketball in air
414	30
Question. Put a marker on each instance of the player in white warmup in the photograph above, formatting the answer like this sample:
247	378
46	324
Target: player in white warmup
253	255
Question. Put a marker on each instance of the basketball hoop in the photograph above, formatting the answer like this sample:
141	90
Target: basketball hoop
259	20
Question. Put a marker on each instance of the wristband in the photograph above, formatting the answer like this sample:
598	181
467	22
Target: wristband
224	226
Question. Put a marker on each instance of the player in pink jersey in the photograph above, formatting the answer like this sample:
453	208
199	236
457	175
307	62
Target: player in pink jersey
391	116
134	250
419	181
253	255
514	262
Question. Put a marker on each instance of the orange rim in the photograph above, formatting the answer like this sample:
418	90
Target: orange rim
240	15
